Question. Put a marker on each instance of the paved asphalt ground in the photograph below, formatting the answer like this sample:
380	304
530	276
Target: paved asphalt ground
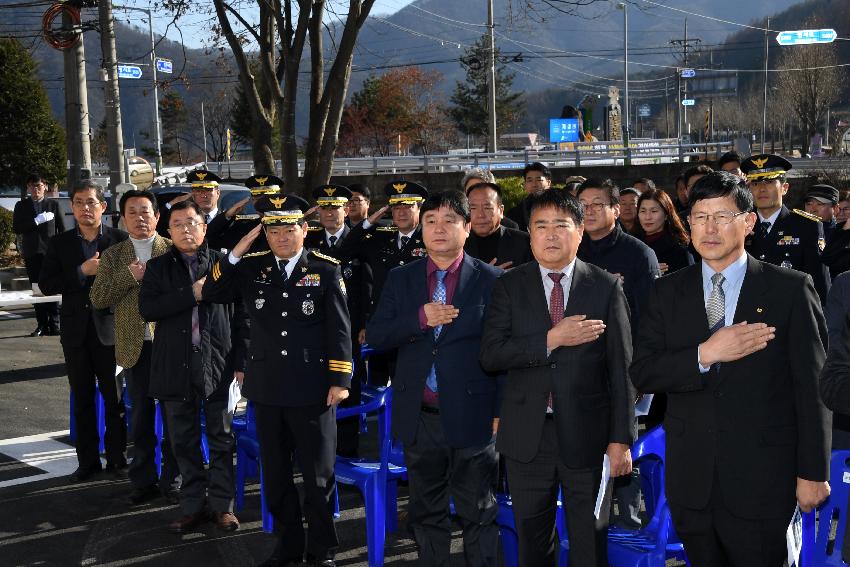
46	521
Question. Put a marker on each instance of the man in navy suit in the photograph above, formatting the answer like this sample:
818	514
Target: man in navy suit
445	406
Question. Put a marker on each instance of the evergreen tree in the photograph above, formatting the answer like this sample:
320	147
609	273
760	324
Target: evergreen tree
469	112
30	139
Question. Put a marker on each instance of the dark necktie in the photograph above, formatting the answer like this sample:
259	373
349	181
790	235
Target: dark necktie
404	240
282	265
439	296
556	310
196	320
207	218
762	230
332	240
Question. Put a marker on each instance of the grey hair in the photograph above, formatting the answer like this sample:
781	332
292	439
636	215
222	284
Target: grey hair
484	175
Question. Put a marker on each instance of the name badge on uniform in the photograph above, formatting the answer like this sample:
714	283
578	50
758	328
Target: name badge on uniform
310	280
419	252
308	308
258	303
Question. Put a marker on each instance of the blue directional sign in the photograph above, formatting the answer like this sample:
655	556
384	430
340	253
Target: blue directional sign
688	102
164	66
563	130
129	72
805	37
688	73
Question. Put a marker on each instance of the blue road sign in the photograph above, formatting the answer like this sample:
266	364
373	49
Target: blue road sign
688	102
644	111
129	72
164	66
688	73
805	37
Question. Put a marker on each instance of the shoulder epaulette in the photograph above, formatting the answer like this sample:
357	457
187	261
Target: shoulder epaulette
315	228
809	216
387	228
253	254
324	257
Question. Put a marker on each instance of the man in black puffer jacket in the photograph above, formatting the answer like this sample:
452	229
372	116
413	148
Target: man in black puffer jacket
198	348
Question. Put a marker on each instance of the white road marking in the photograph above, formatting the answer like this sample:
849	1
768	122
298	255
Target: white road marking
5	315
42	451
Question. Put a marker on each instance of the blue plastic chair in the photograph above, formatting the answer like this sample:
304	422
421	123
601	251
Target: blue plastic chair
816	551
100	410
248	465
508	533
653	544
376	480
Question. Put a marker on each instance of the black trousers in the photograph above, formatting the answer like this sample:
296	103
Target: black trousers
89	364
715	537
348	430
199	486
309	434
436	472
534	493
46	314
382	367
142	471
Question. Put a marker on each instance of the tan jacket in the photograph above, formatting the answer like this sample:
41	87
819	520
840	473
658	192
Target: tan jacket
114	286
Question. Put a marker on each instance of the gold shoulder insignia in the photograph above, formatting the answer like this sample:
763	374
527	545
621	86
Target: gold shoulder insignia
314	228
324	257
254	254
759	163
387	228
809	216
216	271
261	180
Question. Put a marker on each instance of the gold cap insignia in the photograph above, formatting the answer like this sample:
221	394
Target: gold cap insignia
200	175
759	163
399	187
329	191
261	180
277	203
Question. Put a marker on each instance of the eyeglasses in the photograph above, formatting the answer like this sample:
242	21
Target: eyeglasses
90	204
721	218
595	207
184	226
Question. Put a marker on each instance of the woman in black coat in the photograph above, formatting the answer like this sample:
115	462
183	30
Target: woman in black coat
661	229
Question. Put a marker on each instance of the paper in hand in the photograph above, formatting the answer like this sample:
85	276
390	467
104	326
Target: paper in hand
603	485
234	395
794	538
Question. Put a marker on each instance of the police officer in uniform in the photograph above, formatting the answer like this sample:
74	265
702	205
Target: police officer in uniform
225	230
298	370
386	247
791	239
822	201
332	201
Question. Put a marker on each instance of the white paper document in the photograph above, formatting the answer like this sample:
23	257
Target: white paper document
603	485
794	538
643	405
234	395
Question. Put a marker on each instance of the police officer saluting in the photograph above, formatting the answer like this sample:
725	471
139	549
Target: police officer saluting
782	237
225	230
298	370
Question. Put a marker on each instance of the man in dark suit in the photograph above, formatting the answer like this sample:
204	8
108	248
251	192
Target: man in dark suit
536	178
226	229
560	328
445	404
332	201
489	240
299	369
87	334
737	345
782	237
36	220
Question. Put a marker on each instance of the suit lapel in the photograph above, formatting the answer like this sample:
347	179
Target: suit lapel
468	276
127	253
580	287
693	301
534	285
752	288
298	271
160	246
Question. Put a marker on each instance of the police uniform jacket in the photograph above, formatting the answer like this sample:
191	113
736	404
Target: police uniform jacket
166	297
224	233
34	237
378	247
795	241
356	274
300	332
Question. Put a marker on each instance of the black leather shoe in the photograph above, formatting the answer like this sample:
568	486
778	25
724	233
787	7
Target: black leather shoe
188	522
38	331
118	472
142	495
83	474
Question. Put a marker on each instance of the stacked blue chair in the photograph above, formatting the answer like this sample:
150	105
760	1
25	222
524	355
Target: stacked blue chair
817	551
100	410
508	533
656	542
376	480
248	465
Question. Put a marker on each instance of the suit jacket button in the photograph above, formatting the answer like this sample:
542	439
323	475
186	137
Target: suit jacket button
283	333
553	365
434	352
283	314
285	295
283	352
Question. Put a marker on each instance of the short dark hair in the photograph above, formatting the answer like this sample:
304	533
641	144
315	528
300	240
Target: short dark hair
362	189
729	157
35	177
455	200
88	185
701	169
650	184
132	193
718	184
187	204
604	184
537	166
485	185
560	200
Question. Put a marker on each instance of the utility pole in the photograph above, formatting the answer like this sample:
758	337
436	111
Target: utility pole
491	74
764	98
682	111
77	138
204	132
627	124
666	108
114	135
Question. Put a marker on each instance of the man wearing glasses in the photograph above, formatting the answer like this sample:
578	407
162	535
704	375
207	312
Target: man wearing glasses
737	345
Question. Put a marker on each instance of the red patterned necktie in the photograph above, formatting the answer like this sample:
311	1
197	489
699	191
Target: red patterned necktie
556	309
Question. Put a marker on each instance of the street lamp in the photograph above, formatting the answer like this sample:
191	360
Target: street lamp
626	122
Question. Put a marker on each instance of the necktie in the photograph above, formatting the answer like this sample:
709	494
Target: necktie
403	242
207	218
439	296
332	240
715	307
282	265
196	320
556	311
762	230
